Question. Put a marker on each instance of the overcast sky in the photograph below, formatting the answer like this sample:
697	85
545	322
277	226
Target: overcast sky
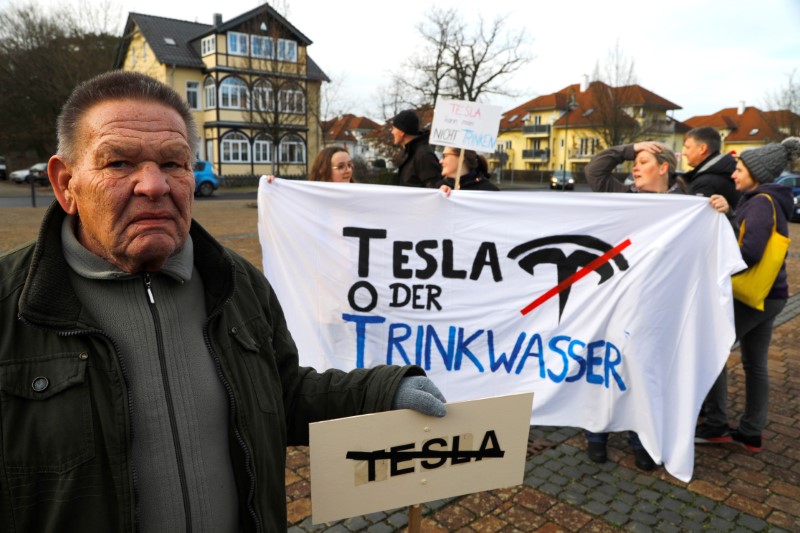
703	55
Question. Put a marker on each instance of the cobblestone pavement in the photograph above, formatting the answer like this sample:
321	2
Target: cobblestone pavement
732	489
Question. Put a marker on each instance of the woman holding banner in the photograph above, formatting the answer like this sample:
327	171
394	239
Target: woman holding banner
473	171
763	210
332	164
653	172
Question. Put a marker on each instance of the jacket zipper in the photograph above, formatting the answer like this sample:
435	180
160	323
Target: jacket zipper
234	410
170	407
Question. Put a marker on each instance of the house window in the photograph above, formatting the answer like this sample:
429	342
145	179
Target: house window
262	149
235	148
208	45
287	50
261	47
292	150
262	97
588	146
133	56
237	43
144	52
210	90
193	94
292	100
233	94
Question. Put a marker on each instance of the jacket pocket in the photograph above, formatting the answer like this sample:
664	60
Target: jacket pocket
45	408
252	338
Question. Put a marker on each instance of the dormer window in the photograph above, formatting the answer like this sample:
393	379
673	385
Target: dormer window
169	40
754	131
208	45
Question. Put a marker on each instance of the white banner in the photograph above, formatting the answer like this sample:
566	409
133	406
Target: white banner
614	309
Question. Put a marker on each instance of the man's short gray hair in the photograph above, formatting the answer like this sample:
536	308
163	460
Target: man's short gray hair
118	85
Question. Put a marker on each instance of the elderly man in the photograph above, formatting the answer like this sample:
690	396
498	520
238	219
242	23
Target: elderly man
148	381
711	172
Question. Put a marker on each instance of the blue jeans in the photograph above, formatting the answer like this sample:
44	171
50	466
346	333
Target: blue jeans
602	438
754	331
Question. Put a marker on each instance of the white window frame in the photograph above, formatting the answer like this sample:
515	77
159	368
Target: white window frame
237	43
292	149
292	100
208	45
210	93
263	146
235	148
287	50
233	93
263	96
261	47
193	89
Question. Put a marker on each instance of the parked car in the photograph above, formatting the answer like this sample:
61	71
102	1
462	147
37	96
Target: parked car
790	180
3	168
796	211
562	179
36	173
205	180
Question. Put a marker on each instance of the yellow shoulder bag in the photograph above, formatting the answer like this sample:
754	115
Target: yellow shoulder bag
752	286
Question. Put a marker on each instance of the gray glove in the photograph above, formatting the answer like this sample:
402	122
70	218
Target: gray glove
420	394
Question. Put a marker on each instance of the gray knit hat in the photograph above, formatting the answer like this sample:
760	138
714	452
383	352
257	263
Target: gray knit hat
766	163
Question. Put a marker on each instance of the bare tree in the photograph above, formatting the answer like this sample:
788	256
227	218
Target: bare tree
43	55
787	100
462	61
610	97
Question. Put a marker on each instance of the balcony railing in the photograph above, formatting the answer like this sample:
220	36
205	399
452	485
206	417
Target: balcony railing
543	155
538	129
577	153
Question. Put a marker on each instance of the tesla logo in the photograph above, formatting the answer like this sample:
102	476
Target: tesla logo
570	268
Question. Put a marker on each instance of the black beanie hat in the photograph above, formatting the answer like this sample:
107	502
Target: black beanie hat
767	162
407	121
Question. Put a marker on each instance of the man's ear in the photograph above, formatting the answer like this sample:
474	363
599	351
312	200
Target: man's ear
60	174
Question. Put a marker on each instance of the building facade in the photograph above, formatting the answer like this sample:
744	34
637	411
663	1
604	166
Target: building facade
253	88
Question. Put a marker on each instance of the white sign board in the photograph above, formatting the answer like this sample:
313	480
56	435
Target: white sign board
370	463
467	125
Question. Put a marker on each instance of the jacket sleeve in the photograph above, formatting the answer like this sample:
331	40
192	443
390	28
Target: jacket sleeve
311	396
755	229
600	168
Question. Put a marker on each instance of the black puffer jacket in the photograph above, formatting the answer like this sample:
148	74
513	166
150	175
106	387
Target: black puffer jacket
713	176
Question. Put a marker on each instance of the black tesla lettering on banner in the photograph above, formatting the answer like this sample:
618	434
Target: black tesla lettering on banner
533	253
396	455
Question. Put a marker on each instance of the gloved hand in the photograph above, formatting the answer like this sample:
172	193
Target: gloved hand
420	394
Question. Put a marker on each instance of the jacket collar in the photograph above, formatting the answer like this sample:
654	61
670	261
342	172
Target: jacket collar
48	297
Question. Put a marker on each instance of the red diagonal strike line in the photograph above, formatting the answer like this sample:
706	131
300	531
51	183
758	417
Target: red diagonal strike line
588	269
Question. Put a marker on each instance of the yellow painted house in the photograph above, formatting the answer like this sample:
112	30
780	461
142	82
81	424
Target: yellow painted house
254	89
563	130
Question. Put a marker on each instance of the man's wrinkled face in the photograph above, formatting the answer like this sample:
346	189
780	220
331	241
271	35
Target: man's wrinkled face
131	184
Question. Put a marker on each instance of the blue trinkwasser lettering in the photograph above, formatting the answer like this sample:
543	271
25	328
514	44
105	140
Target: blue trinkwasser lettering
558	359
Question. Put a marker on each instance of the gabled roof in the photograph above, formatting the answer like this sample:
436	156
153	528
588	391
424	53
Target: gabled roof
752	125
161	32
341	128
156	31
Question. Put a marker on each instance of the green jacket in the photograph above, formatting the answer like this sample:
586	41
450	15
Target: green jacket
65	409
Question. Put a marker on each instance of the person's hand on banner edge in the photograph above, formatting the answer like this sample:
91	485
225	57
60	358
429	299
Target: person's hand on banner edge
270	178
446	190
420	394
719	203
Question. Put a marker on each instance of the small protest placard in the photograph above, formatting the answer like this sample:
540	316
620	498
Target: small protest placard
381	461
467	125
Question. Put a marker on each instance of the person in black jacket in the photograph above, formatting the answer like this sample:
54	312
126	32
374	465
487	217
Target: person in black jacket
419	167
711	173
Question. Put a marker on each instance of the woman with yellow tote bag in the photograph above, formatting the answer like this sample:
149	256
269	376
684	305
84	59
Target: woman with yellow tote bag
762	217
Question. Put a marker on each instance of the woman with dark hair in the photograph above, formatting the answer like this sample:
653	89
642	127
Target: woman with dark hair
474	171
332	164
764	205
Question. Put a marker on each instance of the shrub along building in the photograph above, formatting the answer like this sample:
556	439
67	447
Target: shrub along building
253	87
563	130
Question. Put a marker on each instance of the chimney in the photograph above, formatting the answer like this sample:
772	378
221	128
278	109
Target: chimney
585	83
740	111
217	19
